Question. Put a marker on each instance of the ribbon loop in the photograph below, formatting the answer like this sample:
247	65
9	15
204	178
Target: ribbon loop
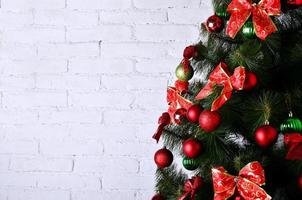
248	183
241	10
191	187
221	76
294	143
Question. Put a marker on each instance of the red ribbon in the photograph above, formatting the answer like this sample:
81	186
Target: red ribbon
294	143
221	76
241	10
248	183
295	2
163	121
191	187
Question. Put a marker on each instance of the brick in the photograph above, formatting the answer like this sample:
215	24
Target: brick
103	33
34	194
166	4
101	99
133	17
157	33
68	82
156	66
17	82
74	147
18	116
17	51
29	4
68	50
151	100
4	163
66	18
17	179
34	99
188	16
12	19
128	182
109	194
18	147
98	66
99	4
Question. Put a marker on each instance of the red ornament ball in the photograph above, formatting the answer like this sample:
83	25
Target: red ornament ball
209	120
300	182
158	197
192	148
190	52
193	113
214	23
163	158
180	115
266	135
250	81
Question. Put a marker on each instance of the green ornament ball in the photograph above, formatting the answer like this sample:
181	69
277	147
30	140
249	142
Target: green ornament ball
221	11
248	30
184	73
292	124
190	163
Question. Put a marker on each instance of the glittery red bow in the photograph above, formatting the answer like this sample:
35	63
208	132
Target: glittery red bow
241	10
248	183
295	2
221	76
294	143
191	187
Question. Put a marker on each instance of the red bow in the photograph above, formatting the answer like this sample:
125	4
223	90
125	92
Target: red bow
248	183
295	2
191	187
241	10
221	76
294	143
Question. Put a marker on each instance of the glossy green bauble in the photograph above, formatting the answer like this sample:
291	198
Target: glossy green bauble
184	73
190	163
248	30
292	124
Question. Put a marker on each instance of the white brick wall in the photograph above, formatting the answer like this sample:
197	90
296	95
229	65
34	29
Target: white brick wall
82	83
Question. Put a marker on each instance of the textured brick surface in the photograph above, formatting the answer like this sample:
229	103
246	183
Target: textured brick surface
82	83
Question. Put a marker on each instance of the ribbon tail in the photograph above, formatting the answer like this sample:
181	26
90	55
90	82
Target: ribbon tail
263	24
237	20
206	91
158	132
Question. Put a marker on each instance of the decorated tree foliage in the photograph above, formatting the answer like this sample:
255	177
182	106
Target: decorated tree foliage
233	113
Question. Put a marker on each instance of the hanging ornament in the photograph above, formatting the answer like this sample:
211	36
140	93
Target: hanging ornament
180	115
192	186
221	11
190	163
248	30
214	23
190	52
248	183
292	124
184	71
193	113
158	197
192	148
209	120
293	142
300	182
163	121
163	158
250	81
266	136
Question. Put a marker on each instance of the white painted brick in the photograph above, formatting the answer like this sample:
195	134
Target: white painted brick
134	82
28	4
17	82
68	50
166	4
133	17
109	194
106	165
101	99
66	18
100	33
96	66
69	116
17	179
147	166
144	132
35	194
71	82
157	33
68	181
99	4
188	16
18	147
34	99
17	116
128	182
34	35
156	66
10	18
4	163
74	147
32	66
34	164
17	51
151	100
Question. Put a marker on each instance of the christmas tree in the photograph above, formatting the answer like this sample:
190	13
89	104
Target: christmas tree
234	111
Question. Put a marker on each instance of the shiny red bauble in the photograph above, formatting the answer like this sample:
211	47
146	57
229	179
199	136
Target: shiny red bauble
163	158
250	81
190	52
158	197
180	115
266	136
209	121
193	113
214	23
192	148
